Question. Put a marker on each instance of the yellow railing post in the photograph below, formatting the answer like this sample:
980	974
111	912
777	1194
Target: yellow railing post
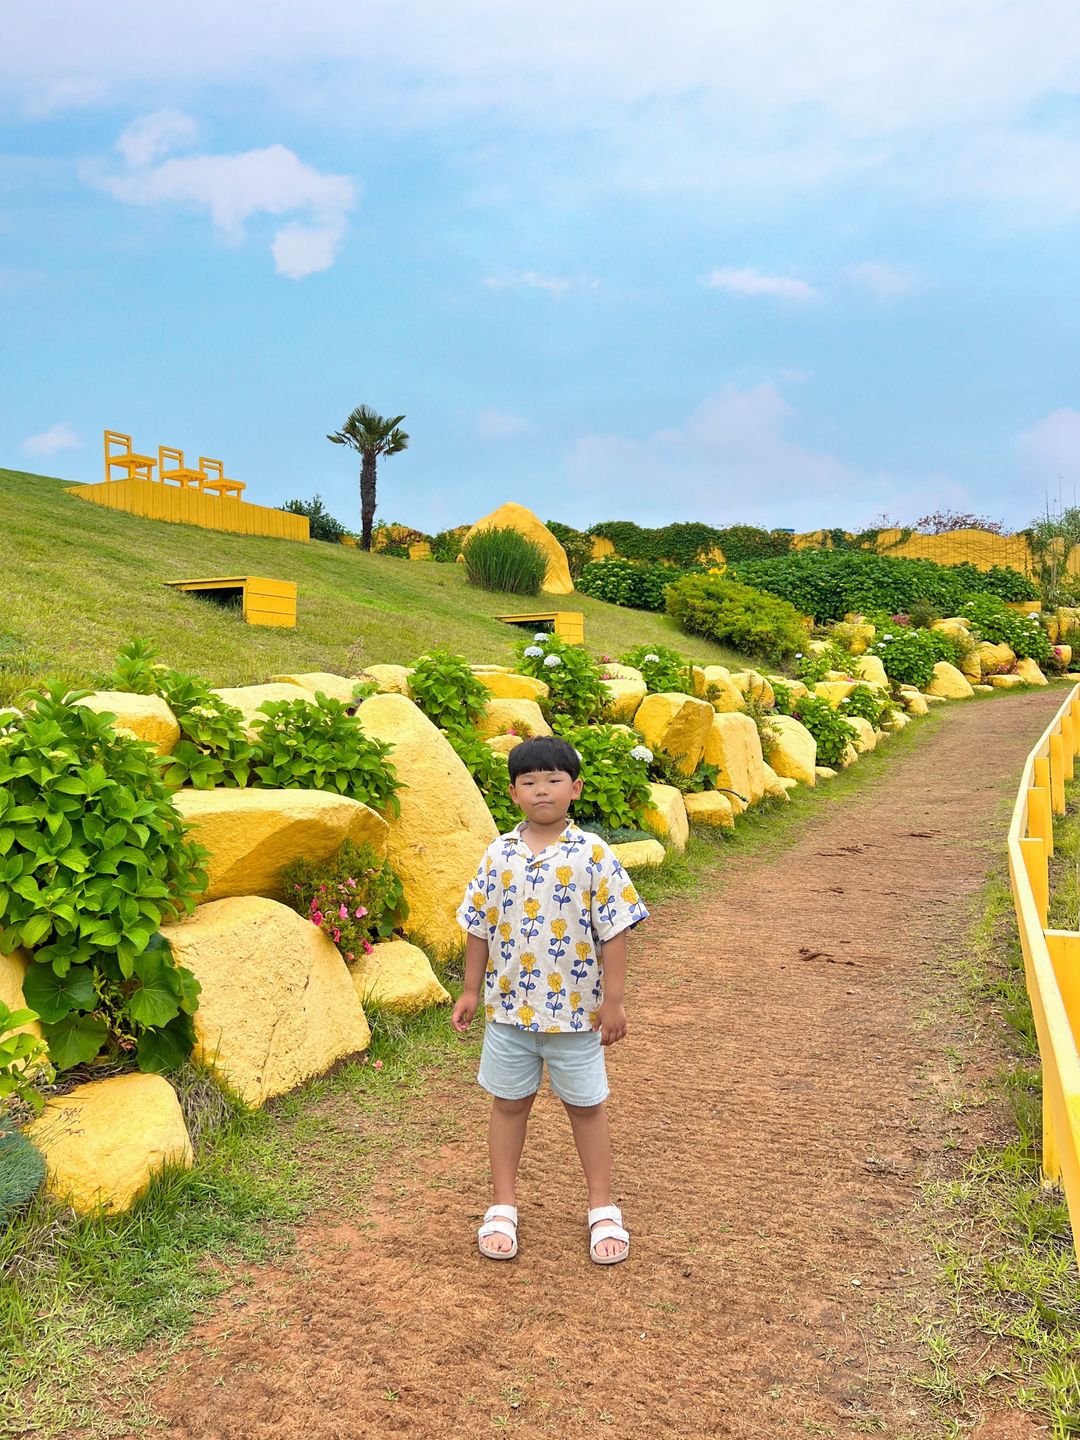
1074	712
1057	774
1040	822
1033	850
1068	744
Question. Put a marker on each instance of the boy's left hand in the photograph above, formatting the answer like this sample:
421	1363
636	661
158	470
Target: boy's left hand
612	1022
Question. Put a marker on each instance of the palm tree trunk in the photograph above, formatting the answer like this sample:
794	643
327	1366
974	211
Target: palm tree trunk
367	497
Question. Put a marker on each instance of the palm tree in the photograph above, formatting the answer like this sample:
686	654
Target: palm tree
373	435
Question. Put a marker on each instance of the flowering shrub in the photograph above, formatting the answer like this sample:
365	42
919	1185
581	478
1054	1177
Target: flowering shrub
447	691
865	703
828	727
994	621
815	665
354	898
630	583
577	693
614	770
733	614
305	745
909	656
664	670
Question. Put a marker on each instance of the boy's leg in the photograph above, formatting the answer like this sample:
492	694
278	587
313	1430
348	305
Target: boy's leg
506	1140
592	1137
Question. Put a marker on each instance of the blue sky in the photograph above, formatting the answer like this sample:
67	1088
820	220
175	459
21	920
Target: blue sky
785	264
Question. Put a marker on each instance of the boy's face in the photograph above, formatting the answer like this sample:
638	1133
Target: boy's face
545	796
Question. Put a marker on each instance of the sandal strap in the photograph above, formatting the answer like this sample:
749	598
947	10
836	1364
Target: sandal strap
605	1212
497	1227
502	1212
609	1232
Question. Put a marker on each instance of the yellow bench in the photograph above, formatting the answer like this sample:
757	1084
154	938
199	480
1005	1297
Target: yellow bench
569	625
178	471
262	601
138	467
219	486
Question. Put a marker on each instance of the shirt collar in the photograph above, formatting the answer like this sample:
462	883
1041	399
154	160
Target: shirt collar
569	834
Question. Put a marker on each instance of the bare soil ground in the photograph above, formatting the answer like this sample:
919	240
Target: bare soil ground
774	1108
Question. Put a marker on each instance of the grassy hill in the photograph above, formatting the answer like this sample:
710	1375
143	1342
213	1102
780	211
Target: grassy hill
77	580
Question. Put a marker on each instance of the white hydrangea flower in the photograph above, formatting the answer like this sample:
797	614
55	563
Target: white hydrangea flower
1034	616
798	655
886	637
845	700
650	658
552	660
641	752
532	651
542	635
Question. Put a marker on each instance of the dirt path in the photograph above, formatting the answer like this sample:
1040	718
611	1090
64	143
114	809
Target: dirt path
772	1123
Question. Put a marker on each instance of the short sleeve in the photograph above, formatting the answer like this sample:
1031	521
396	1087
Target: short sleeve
472	912
616	905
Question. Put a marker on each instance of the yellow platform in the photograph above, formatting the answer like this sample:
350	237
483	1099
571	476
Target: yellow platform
263	601
569	624
189	506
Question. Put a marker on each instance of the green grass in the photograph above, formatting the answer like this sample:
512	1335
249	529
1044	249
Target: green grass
77	580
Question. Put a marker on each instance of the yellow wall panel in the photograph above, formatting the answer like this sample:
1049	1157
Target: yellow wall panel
179	506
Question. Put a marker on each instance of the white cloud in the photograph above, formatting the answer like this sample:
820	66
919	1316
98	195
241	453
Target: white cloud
150	137
884	279
52	441
501	425
234	189
531	280
60	95
1049	451
745	281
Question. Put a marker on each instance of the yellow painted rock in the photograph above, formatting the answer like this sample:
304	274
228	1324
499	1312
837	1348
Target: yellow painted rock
503	686
637	854
666	816
1005	682
515	517
733	745
436	843
897	720
710	808
855	635
995	657
248	698
625	697
146	717
754	686
775	788
492	669
834	690
399	976
952	625
103	1141
676	726
868	736
334	687
825	772
935	699
277	1005
793	754
524	716
503	744
252	834
1064	654
391	679
12	974
613	670
602	547
724	695
697	676
949	683
849	756
870	669
914	703
971	666
1029	672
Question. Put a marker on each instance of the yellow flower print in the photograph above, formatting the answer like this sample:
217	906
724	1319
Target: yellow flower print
532	908
558	929
630	895
564	874
594	1019
526	1014
505	930
492	915
489	1011
491	966
505	878
555	982
553	1029
504	984
602	893
584	949
478	899
597	854
575	999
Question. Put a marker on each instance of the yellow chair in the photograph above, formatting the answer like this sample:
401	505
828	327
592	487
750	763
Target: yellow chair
138	467
220	485
169	456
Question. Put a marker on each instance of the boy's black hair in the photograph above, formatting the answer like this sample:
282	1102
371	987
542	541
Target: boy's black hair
544	752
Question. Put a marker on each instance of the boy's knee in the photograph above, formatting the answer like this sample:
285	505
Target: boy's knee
513	1107
582	1111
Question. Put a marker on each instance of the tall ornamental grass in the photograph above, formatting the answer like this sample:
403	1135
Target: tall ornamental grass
504	560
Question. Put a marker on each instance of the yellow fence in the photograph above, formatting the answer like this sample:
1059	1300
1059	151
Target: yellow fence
1051	957
192	507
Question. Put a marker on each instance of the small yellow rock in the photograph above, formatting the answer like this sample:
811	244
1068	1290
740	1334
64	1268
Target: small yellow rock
666	816
754	686
734	747
867	737
793	754
637	854
995	657
871	669
834	690
524	716
512	516
710	807
721	690
775	788
248	698
1005	682
503	686
399	976
503	744
949	683
625	699
145	717
1029	672
914	703
334	687
12	975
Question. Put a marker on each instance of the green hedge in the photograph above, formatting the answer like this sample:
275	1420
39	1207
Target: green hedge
730	613
632	583
683	542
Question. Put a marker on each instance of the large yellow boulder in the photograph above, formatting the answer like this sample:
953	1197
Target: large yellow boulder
709	807
12	977
615	670
252	834
145	717
793	754
666	816
754	687
914	703
995	658
504	686
638	854
867	736
721	690
971	666
515	517
248	698
734	747
523	716
391	679
277	1004
436	843
624	698
503	744
398	976
834	690
855	634
952	625
949	683
676	726
775	788
334	687
105	1140
870	669
1029	672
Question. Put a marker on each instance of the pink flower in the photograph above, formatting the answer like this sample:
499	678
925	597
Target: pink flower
317	918
337	936
351	883
322	889
377	1065
343	911
368	947
350	956
360	912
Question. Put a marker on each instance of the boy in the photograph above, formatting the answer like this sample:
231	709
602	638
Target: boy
546	919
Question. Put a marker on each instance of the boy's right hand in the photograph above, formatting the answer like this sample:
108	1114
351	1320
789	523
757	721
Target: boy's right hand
464	1011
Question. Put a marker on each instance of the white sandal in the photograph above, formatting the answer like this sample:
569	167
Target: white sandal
499	1220
612	1229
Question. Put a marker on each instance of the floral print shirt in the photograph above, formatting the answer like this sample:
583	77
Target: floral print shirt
544	917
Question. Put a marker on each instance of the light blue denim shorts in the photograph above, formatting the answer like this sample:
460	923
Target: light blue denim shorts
512	1064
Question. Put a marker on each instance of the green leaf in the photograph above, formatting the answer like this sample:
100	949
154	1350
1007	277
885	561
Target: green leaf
160	1051
55	996
75	1040
156	1000
35	929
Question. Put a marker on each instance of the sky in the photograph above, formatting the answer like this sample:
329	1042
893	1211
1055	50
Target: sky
784	264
